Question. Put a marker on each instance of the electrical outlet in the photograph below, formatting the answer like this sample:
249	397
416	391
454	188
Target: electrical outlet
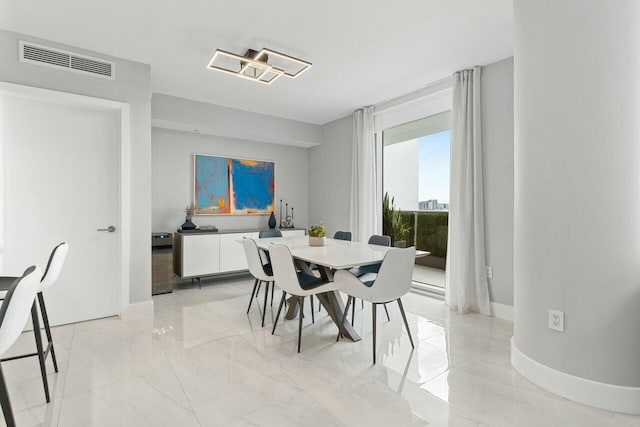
556	320
489	272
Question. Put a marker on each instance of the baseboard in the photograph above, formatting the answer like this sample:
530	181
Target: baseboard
502	311
600	395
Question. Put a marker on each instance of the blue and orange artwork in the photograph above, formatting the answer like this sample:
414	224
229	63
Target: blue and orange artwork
211	185
225	185
252	186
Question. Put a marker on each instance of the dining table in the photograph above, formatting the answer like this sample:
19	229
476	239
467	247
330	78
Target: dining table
333	255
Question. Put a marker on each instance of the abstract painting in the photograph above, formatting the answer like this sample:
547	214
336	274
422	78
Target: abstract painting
226	185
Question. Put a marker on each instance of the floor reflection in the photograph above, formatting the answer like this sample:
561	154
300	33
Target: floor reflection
197	359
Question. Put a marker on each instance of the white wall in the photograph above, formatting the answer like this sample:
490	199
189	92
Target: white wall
169	112
497	134
133	86
172	154
400	173
330	176
577	195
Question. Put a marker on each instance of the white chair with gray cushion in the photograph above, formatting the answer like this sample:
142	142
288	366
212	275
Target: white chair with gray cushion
296	283
379	240
390	284
19	301
261	272
51	275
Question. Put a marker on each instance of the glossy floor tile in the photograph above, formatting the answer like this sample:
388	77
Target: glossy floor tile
200	360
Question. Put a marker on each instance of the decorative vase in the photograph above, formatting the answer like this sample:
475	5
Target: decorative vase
272	220
188	225
317	241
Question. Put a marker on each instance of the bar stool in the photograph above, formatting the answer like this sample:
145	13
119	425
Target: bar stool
51	275
14	312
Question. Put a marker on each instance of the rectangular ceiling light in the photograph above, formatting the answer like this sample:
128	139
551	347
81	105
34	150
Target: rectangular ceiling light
305	65
255	67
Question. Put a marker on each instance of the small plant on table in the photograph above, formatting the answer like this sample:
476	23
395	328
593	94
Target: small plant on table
317	235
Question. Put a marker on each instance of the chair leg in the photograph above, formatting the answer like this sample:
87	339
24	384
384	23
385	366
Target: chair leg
406	324
47	330
36	333
301	304
374	308
253	293
266	295
5	402
313	316
278	314
273	291
353	313
344	316
387	312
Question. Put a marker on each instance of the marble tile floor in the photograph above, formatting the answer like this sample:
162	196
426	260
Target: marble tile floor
200	360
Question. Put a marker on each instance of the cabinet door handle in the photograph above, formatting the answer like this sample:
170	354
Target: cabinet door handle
110	229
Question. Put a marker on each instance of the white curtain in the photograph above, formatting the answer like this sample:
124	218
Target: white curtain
466	279
365	197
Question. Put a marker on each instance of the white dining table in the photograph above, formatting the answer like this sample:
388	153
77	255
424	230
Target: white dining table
335	255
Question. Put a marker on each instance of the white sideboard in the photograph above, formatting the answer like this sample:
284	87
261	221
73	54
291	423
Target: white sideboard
205	253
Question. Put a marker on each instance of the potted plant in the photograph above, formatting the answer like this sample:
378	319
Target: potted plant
317	235
393	223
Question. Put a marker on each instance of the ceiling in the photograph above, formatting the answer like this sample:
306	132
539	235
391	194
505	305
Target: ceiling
363	51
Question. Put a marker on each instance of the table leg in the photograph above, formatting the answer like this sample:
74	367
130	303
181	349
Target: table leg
303	266
326	273
332	302
292	311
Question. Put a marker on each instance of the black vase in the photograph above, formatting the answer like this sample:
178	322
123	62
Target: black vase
272	220
188	225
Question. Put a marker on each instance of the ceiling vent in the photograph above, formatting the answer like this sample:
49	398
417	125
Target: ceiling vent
60	59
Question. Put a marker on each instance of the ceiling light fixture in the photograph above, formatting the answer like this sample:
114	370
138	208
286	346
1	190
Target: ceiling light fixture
254	65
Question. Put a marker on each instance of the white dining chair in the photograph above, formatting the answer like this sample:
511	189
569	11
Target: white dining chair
375	239
392	281
50	277
296	283
263	273
18	302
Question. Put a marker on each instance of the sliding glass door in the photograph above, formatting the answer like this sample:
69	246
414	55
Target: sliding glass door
416	163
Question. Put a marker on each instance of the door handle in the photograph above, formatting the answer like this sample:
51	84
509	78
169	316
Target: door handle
110	229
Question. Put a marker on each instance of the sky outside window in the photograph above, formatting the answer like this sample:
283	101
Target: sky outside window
434	152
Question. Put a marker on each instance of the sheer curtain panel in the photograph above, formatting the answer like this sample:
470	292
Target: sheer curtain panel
364	189
467	289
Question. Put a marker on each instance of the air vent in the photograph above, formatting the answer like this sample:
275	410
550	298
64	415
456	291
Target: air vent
55	58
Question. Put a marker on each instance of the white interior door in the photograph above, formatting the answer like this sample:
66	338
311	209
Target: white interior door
61	183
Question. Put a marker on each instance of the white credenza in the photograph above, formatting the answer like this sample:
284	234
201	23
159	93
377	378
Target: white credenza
206	253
